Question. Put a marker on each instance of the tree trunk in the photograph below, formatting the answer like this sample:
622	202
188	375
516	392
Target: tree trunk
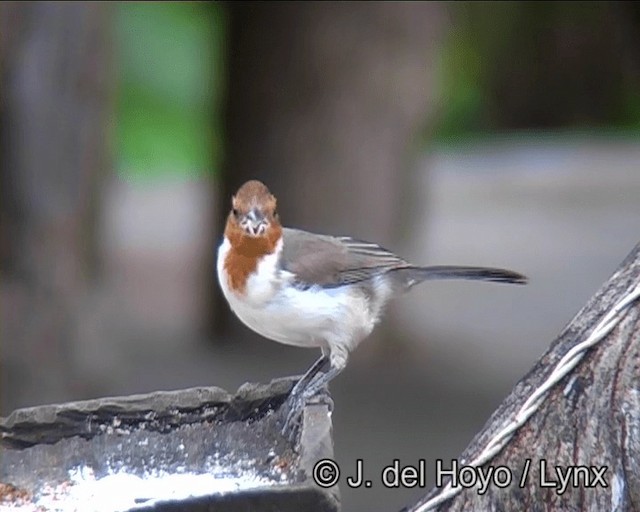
325	102
53	151
586	424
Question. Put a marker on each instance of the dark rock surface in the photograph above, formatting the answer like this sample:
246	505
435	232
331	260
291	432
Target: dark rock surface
198	431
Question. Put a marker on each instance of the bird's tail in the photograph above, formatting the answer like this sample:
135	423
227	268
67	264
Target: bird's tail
415	275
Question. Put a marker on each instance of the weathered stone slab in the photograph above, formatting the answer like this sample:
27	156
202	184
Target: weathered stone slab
193	449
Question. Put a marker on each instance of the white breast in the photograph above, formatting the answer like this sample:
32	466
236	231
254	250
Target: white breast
312	317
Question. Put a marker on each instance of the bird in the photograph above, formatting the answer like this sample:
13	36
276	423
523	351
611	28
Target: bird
314	290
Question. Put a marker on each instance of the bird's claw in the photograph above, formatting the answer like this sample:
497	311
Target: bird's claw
294	407
321	398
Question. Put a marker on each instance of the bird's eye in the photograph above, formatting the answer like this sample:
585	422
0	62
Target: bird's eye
235	212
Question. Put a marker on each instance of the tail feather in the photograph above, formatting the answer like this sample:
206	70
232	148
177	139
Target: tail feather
418	274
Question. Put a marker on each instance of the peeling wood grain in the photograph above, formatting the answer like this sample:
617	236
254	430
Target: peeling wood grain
590	419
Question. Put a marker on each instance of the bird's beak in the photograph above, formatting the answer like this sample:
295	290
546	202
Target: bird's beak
254	222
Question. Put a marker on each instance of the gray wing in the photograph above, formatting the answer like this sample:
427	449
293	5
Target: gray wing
329	261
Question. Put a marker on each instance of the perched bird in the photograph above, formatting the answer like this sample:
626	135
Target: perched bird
312	290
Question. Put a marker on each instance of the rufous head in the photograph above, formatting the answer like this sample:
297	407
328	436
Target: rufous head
253	227
253	209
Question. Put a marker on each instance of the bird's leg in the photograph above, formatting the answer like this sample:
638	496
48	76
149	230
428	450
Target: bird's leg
308	377
337	363
296	401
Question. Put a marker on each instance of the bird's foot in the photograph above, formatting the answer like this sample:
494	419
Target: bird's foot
294	409
321	398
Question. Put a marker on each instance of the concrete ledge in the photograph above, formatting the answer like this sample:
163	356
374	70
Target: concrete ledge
194	449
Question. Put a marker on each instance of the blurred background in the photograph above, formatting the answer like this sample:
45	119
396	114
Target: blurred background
502	134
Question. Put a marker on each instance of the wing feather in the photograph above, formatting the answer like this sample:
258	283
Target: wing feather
327	261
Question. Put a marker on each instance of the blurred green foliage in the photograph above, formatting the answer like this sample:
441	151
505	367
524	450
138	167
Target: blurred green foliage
504	67
544	66
170	59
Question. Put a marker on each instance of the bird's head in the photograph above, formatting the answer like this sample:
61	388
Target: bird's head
253	224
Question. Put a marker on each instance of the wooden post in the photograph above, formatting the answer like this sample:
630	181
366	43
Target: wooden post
568	435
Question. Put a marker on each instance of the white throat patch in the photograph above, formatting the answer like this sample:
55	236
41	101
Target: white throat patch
261	285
